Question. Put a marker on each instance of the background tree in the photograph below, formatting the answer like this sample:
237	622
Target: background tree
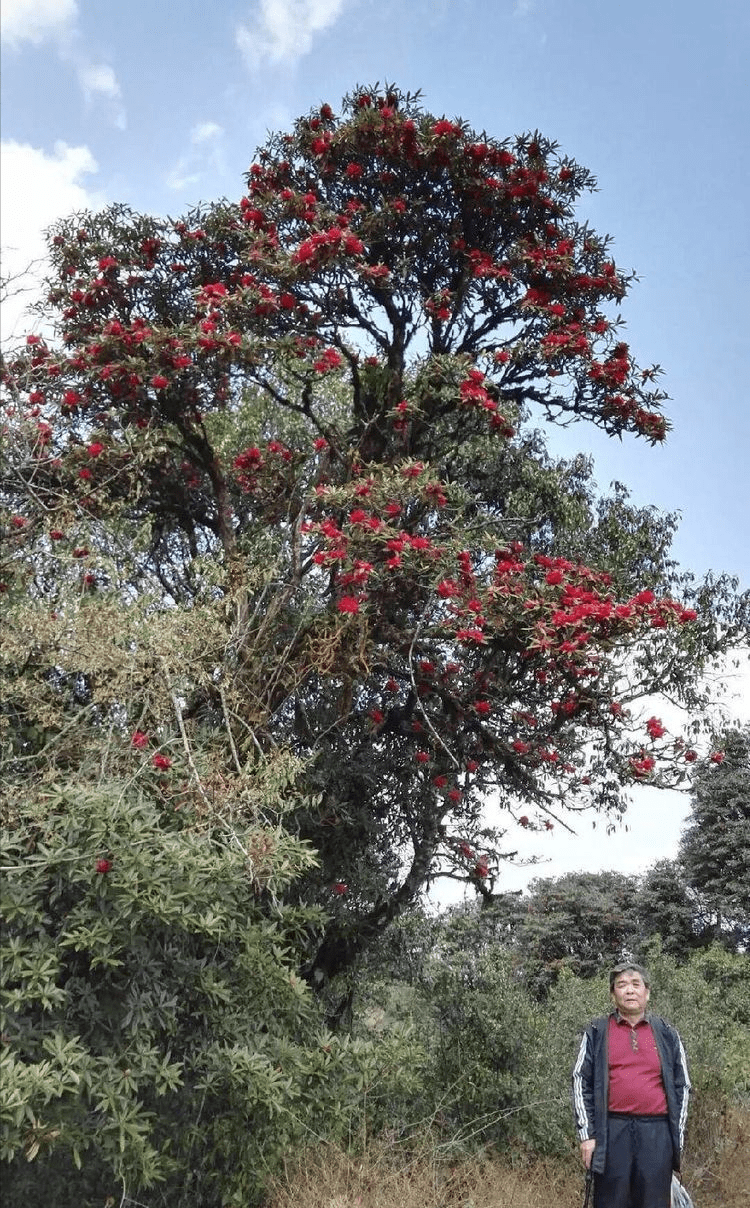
715	846
277	488
581	921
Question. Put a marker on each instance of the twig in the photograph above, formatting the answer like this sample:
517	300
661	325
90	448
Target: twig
420	706
230	735
183	732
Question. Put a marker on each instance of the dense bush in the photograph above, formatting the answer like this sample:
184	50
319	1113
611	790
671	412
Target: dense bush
157	1034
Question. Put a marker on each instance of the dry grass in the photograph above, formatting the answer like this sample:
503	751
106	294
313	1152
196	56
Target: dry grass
388	1175
717	1174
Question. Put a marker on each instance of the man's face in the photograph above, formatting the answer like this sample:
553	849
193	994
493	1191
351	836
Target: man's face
630	993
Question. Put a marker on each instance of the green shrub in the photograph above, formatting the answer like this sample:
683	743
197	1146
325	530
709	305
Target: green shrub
156	1032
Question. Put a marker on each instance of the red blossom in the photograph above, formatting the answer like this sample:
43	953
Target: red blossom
445	127
139	740
422	757
163	762
249	459
482	706
643	766
329	360
159	382
348	604
717	757
103	867
655	728
339	888
95	448
447	588
376	716
473	634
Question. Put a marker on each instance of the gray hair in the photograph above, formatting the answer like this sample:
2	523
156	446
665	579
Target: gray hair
628	967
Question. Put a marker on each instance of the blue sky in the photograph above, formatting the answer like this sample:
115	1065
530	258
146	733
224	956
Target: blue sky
161	103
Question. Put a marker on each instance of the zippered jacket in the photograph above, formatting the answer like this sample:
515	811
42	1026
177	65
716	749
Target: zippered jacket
591	1085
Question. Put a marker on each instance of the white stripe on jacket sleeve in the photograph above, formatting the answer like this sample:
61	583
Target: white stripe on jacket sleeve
585	1130
685	1093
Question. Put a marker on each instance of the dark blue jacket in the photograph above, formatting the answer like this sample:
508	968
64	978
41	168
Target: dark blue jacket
591	1085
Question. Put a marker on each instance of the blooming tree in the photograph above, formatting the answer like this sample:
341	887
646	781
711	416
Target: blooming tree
282	460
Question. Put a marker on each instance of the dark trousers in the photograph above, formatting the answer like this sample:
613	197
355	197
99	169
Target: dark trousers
638	1171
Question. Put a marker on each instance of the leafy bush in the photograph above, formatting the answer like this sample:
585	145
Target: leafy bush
157	1033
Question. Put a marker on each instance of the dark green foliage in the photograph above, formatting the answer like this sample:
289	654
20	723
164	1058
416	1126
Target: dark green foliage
715	848
581	922
668	908
158	1035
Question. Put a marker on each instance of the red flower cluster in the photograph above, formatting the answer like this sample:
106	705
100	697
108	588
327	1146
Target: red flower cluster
643	766
349	604
324	244
655	728
327	361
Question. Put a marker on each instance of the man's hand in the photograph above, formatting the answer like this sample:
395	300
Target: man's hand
587	1151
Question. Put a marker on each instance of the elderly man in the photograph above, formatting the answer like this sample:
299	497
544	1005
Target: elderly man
630	1098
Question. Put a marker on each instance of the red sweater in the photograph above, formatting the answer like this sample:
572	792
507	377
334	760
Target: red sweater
635	1082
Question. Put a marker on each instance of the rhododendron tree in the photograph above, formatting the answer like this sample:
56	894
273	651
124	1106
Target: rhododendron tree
297	438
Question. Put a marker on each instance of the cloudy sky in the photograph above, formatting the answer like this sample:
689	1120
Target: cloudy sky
161	103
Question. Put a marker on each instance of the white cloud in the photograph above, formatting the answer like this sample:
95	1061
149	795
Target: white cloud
37	188
203	132
205	153
283	30
98	80
36	21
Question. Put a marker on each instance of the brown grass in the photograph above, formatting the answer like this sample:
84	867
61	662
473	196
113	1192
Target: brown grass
717	1170
385	1178
388	1175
